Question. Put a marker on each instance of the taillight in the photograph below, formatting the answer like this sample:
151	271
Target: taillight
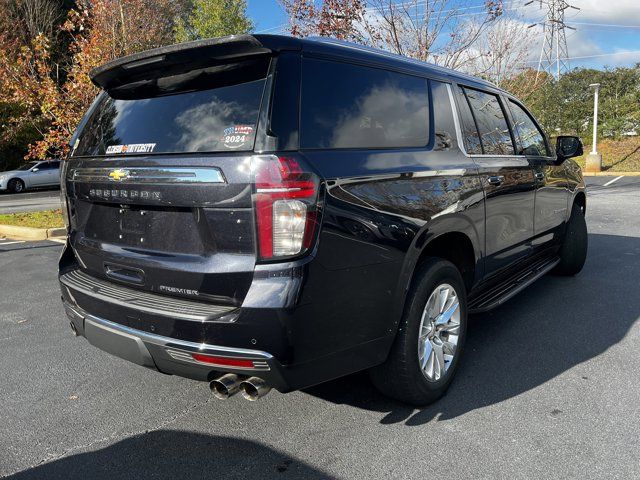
285	201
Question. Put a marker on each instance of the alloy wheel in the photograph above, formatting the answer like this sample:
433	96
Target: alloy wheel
439	332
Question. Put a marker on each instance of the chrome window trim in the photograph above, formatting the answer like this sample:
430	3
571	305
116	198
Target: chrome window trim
456	121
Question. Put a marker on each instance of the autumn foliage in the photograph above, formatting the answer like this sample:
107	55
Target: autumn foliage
53	97
44	61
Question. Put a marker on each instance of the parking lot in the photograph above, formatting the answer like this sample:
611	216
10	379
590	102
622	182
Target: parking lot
549	388
30	201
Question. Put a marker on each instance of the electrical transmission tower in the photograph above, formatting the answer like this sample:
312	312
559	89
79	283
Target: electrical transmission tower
554	52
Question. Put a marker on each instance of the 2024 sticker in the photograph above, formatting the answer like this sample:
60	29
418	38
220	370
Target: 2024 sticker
237	136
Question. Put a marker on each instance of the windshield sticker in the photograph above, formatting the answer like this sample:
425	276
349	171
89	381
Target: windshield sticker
236	136
132	148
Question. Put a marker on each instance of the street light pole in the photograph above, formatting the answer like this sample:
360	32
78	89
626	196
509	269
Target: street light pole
596	86
594	159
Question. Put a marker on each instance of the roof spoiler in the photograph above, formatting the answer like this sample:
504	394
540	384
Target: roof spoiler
175	59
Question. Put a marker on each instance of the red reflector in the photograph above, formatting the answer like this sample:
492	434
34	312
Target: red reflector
227	362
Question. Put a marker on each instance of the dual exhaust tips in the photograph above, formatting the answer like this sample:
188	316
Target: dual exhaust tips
252	388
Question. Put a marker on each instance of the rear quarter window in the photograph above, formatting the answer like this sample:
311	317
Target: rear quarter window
349	106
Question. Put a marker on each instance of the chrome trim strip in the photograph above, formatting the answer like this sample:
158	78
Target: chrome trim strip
172	343
155	175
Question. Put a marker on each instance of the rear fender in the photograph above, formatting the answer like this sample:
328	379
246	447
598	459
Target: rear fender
452	223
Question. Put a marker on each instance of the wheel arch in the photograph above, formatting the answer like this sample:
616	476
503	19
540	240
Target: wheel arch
453	238
580	199
455	247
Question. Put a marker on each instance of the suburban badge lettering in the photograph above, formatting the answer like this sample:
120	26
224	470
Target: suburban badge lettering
124	194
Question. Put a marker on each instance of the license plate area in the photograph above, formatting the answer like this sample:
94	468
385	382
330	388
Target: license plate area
164	229
134	221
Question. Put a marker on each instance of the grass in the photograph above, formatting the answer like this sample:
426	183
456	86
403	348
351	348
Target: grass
617	155
46	219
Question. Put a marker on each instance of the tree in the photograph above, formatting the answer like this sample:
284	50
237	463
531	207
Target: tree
213	18
501	50
99	31
21	22
566	105
430	30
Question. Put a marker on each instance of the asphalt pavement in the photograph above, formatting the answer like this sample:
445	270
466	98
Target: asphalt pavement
549	388
30	201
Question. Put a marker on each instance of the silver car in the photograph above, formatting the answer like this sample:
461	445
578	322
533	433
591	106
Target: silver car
45	173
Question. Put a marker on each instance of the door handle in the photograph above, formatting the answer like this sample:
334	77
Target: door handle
495	180
539	176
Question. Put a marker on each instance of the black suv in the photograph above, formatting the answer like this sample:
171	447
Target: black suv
267	212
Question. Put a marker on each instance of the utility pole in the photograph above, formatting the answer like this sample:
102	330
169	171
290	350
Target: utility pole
554	51
594	159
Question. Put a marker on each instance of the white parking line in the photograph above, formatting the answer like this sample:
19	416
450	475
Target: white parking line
2	242
614	180
58	240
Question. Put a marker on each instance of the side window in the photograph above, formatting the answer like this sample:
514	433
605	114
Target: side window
443	121
529	138
349	106
491	122
55	165
43	166
472	143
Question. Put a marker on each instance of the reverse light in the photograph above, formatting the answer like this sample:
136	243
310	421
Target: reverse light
286	203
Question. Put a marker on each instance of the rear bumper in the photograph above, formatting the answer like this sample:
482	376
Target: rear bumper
169	355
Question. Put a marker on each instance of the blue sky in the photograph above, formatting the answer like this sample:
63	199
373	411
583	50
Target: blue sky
608	31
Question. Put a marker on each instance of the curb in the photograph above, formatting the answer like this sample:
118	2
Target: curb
610	174
29	233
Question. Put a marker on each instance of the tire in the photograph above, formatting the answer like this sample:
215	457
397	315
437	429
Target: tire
573	252
401	376
15	185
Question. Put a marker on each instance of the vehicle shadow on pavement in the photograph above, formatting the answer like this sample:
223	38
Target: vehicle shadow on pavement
174	454
554	325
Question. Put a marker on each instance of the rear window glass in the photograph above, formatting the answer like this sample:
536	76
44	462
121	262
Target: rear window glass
216	119
348	106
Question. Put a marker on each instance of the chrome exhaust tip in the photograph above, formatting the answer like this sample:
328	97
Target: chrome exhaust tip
225	386
254	388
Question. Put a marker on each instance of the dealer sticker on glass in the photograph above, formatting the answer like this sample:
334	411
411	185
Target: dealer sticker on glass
131	148
237	136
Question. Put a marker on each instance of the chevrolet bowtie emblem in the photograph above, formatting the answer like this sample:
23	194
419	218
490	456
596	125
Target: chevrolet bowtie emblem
119	174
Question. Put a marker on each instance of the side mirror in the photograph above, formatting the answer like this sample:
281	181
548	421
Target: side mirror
568	147
35	169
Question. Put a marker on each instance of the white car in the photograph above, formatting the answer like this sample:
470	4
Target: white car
40	174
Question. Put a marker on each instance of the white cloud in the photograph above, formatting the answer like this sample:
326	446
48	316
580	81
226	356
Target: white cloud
619	12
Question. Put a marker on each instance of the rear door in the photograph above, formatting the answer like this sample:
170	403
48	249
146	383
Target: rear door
507	178
552	190
160	183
